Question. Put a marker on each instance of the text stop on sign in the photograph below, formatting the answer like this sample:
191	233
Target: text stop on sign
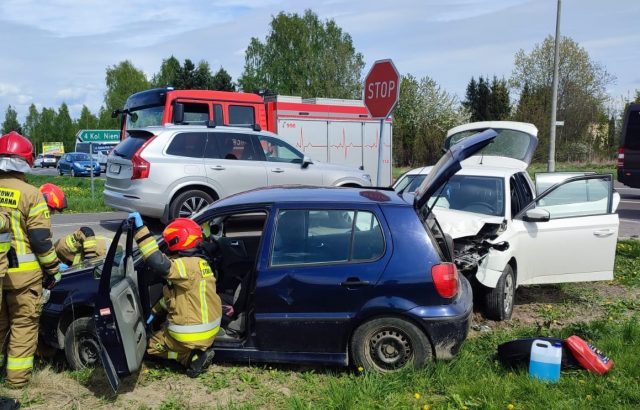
381	89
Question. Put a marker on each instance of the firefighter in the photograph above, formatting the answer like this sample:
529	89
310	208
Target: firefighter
78	246
189	297
33	250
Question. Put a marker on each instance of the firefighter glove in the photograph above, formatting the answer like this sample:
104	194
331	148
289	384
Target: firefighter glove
50	281
137	219
63	267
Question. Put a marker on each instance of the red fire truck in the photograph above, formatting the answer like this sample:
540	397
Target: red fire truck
330	130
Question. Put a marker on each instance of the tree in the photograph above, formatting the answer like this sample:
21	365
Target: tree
169	73
45	129
63	126
11	122
86	121
304	56
487	101
222	81
122	80
424	114
582	85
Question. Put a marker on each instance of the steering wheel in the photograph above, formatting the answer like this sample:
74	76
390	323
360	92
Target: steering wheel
479	207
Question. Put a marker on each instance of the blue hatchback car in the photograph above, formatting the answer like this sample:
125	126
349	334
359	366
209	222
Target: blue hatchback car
317	275
78	164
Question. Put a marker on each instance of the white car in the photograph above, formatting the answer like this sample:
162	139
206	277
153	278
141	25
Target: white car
508	231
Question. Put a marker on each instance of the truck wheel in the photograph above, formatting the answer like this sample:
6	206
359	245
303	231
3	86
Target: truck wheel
81	346
499	301
188	203
388	344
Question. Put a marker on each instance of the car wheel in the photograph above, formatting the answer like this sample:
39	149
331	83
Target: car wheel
60	171
499	300
388	344
81	346
188	203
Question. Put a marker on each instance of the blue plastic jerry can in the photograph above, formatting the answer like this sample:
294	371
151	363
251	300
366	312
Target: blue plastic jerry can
545	361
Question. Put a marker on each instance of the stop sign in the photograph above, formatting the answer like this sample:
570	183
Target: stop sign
381	88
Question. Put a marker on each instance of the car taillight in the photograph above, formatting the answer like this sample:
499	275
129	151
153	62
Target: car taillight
141	167
620	158
445	279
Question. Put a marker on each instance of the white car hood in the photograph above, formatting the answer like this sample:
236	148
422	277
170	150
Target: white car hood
459	224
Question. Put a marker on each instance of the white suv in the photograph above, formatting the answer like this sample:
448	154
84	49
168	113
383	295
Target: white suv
175	171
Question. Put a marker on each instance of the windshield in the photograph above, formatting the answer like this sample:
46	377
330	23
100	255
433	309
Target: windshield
469	193
508	143
145	117
80	157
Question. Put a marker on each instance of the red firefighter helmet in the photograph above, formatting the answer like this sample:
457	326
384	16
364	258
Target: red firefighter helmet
182	234
54	197
14	144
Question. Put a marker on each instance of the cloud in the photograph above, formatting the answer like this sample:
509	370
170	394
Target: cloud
8	89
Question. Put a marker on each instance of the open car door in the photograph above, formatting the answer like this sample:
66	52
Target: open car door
569	232
118	312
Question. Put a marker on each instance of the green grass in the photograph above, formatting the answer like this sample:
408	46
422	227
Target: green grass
599	167
77	191
627	267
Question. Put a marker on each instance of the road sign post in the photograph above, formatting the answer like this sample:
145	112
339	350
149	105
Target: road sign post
381	93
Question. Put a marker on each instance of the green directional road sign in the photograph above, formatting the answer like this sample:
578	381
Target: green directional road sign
98	135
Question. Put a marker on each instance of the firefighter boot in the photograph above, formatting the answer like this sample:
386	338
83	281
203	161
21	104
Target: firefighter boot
199	362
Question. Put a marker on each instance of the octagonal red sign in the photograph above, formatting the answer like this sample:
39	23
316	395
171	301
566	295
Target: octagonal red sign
381	88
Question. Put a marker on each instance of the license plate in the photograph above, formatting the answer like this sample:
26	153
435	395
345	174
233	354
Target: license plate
114	168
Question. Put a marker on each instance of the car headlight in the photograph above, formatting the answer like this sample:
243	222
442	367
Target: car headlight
77	165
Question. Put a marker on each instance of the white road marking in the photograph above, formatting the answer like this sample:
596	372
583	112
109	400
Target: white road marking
630	202
630	221
87	223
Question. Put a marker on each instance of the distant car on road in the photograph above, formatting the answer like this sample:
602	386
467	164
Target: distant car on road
78	164
176	171
37	163
508	231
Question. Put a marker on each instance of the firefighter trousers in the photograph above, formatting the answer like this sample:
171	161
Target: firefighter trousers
166	347
19	319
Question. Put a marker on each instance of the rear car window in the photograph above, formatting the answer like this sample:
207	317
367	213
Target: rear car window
188	144
130	145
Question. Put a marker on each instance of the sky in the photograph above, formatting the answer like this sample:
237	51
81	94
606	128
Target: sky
57	51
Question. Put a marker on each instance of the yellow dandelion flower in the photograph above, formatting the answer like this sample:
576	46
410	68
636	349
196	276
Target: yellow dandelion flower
425	407
589	397
510	406
417	396
361	369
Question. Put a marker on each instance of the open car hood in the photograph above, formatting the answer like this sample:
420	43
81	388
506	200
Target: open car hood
459	224
513	147
448	165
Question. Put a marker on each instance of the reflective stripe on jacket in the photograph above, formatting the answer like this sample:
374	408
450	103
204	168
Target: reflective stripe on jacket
30	224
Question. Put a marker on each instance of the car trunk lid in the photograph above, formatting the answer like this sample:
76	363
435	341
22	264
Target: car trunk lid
119	163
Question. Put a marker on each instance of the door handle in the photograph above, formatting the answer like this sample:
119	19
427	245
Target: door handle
234	243
603	233
277	170
217	167
354	283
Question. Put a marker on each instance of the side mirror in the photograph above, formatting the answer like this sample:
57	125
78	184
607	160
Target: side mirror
536	215
178	113
306	161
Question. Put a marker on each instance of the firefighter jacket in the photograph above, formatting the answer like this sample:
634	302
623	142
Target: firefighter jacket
30	229
193	306
5	242
80	245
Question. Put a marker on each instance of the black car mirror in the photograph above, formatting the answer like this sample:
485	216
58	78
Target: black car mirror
536	215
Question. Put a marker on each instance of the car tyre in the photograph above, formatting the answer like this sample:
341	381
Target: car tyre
81	346
388	344
188	203
60	171
499	300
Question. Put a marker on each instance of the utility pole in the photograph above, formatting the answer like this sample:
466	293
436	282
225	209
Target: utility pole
554	97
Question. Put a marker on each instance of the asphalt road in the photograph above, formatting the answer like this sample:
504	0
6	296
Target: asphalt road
54	172
629	211
102	223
